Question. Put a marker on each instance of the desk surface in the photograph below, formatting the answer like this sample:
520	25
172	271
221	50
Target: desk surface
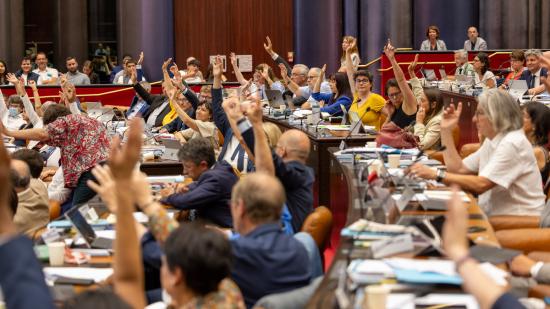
324	297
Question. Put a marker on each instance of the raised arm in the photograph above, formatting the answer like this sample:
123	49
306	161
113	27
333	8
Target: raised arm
317	86
128	267
190	122
278	59
350	69
292	86
409	101
238	73
220	119
36	98
263	160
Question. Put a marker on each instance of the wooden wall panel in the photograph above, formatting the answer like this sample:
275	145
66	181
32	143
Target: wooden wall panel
208	27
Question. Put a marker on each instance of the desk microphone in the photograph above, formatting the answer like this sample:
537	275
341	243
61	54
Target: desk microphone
343	144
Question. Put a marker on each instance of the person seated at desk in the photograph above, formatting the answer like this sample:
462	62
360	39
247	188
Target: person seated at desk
517	59
233	151
210	192
402	107
433	42
138	105
366	104
474	42
192	74
463	67
428	119
536	125
289	157
302	94
265	259
124	76
33	211
202	126
159	105
262	79
483	75
341	94
534	72
504	170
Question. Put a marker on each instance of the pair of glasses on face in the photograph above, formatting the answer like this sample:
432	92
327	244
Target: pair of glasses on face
362	81
394	95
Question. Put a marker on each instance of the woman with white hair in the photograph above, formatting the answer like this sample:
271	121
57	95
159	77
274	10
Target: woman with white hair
504	170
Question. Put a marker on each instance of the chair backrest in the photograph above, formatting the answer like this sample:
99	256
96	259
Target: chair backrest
319	224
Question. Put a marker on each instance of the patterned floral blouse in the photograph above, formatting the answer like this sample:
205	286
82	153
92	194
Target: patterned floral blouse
83	141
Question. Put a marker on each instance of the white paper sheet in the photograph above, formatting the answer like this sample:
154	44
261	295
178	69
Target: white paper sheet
96	274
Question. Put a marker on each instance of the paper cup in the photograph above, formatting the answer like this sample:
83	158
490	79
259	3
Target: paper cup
371	144
375	297
393	160
56	251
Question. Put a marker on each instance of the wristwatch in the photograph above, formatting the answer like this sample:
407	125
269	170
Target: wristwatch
440	175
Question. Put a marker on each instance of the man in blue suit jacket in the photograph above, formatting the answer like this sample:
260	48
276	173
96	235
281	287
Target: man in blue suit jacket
210	192
534	72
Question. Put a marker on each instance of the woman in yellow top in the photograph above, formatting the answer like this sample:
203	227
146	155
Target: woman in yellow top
366	104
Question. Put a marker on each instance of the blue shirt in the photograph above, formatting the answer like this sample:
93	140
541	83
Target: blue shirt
332	107
268	261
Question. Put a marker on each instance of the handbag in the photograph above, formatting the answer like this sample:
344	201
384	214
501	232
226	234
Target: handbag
392	135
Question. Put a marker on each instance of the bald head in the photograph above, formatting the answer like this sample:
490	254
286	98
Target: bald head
294	145
263	197
20	175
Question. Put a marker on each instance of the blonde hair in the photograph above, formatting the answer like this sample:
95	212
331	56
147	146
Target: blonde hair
350	39
273	133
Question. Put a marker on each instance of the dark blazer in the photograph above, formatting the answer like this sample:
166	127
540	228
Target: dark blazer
154	101
21	276
267	261
222	123
30	76
526	76
209	195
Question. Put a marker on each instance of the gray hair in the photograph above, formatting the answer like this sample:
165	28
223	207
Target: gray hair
502	110
533	52
302	67
463	53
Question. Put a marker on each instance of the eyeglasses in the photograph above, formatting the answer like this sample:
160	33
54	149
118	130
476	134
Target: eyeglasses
312	77
393	95
297	74
362	81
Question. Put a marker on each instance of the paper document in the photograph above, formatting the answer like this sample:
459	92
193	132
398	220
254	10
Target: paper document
96	274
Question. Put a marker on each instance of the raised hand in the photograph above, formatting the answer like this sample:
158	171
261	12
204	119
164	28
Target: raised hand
133	76
389	50
265	73
255	113
451	116
284	71
166	63
412	66
6	223
268	46
123	159
32	84
140	60
217	67
351	46
12	78
63	80
176	71
70	92
233	59
323	70
232	108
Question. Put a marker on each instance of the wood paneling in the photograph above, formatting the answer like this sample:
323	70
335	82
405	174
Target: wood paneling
209	27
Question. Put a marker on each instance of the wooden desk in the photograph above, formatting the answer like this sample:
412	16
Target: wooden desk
319	157
343	199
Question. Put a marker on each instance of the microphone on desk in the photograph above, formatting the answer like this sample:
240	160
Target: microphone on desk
343	144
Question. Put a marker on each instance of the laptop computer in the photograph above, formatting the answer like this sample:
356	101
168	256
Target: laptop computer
443	74
172	147
517	88
86	231
275	98
429	74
